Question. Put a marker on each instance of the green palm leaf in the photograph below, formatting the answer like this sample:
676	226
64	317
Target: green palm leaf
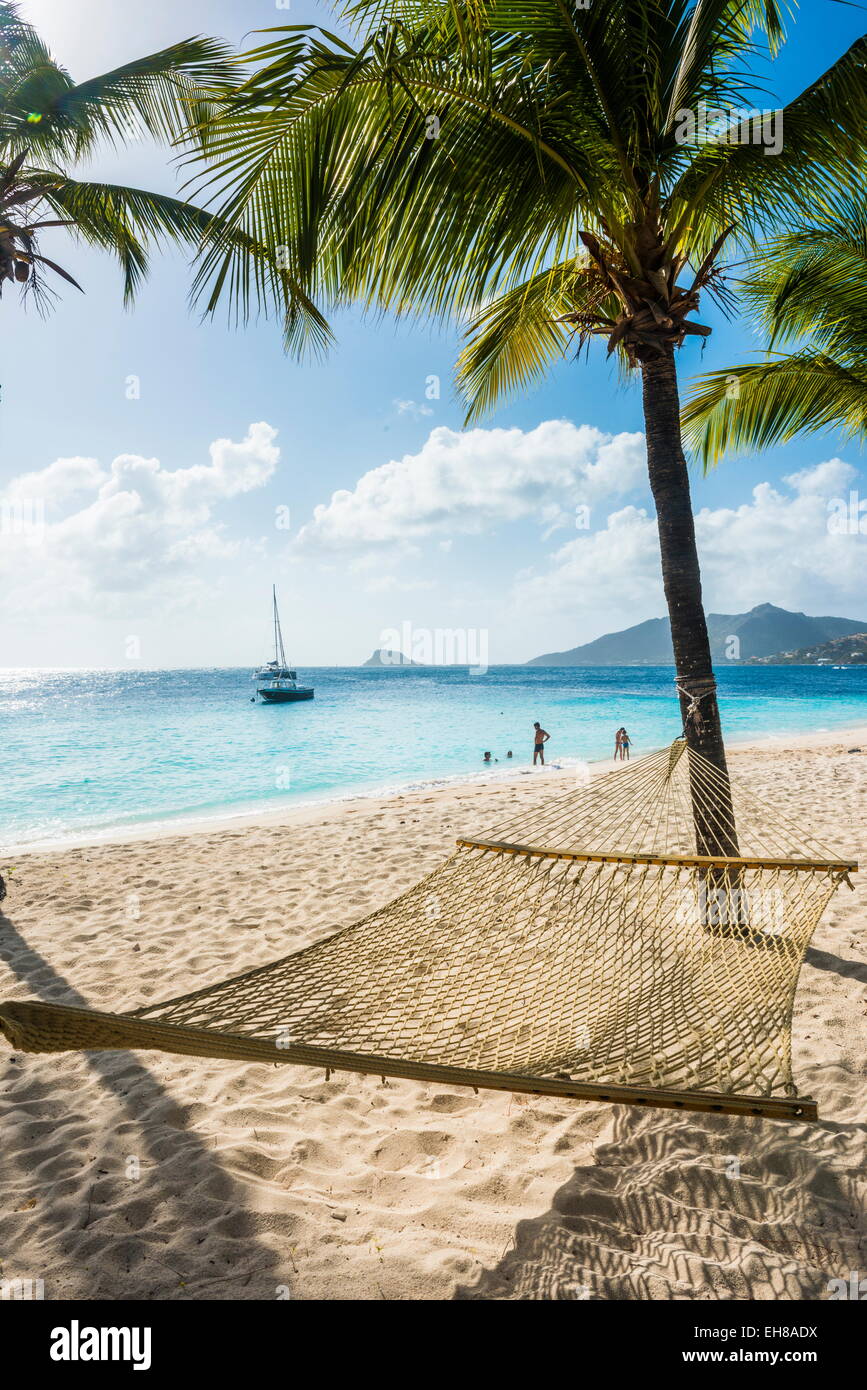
48	122
809	284
550	119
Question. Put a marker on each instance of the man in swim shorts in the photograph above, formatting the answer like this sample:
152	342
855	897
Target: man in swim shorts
541	738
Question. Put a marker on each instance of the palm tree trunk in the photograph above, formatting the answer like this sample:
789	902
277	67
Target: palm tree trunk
669	482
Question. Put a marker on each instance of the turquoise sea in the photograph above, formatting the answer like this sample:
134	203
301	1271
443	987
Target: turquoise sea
88	752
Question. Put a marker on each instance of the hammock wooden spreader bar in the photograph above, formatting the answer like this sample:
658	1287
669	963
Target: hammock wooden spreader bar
586	950
842	866
29	1025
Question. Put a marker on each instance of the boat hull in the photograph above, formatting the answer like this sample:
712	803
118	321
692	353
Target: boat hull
282	697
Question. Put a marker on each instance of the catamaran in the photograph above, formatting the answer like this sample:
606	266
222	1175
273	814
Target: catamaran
277	682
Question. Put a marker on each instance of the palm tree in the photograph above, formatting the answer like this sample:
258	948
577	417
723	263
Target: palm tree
48	123
808	289
540	170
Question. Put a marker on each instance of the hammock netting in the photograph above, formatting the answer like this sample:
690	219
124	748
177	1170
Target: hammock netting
592	948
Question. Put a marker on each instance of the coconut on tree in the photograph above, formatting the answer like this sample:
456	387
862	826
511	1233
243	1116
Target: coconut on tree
544	173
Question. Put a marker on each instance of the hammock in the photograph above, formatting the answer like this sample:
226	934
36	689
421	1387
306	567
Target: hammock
586	950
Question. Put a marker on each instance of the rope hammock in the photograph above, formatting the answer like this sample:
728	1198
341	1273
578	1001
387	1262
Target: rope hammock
586	950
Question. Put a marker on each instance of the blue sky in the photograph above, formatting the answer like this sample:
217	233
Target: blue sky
472	531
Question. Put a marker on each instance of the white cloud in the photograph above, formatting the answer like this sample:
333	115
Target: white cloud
57	484
613	568
466	482
828	479
136	527
776	548
413	408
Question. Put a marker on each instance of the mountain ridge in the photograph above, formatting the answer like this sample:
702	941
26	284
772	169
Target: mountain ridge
734	637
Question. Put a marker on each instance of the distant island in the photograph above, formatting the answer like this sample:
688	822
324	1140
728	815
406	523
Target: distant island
845	651
763	632
384	656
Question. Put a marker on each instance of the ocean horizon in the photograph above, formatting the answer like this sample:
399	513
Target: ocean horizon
92	752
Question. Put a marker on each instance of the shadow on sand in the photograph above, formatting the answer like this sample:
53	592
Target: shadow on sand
91	1215
826	960
709	1207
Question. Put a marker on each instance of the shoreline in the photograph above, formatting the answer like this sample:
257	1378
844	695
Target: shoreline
238	820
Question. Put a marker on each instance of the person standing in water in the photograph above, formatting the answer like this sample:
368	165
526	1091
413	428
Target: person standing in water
541	738
624	741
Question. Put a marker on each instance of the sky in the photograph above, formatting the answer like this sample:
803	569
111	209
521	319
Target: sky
177	468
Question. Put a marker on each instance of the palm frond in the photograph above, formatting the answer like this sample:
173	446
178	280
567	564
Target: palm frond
811	284
512	342
768	403
165	95
461	150
48	122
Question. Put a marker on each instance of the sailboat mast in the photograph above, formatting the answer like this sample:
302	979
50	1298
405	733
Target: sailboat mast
279	654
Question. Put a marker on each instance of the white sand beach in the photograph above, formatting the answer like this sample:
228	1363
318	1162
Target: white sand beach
145	1176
